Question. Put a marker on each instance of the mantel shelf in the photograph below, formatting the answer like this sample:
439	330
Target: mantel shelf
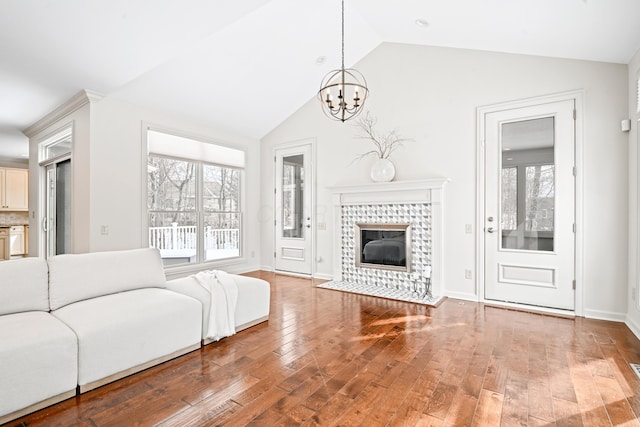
376	187
425	190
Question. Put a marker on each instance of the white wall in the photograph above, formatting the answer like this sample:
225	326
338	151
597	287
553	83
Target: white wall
118	198
633	314
431	94
107	176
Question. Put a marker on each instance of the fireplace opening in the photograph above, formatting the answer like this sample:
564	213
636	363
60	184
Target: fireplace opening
384	246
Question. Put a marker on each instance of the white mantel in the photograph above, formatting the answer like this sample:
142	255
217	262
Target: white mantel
396	192
419	191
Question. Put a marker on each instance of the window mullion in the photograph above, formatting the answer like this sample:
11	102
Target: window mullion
199	212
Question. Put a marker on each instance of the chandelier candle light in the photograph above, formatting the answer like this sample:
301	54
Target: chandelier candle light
347	86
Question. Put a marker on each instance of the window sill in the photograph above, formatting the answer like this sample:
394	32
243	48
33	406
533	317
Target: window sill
174	272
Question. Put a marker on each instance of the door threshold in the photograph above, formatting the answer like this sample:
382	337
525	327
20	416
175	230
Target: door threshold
291	273
567	314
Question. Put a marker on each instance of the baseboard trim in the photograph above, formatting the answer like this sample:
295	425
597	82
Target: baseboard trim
323	276
461	295
605	315
531	309
633	326
292	274
119	375
37	406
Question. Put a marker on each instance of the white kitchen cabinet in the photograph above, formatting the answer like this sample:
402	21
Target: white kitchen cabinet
14	189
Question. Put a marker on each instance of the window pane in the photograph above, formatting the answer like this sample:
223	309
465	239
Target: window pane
221	235
172	185
528	194
221	189
175	235
540	198
292	196
509	219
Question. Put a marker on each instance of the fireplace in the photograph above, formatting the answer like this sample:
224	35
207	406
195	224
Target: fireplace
384	246
414	207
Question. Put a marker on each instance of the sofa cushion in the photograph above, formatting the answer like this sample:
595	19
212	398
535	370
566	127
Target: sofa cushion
38	359
23	286
121	331
253	299
78	277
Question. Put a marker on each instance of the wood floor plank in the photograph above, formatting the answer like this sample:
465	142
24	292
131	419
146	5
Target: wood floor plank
589	400
616	403
567	413
489	409
362	404
515	406
462	410
334	358
440	401
540	400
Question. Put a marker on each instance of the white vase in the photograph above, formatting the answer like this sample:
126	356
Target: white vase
383	170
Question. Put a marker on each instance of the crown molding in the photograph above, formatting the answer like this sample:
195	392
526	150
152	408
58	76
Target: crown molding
76	102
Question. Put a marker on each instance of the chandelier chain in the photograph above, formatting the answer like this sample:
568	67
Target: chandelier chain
343	34
343	92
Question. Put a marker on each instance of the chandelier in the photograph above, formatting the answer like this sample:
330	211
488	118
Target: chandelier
343	92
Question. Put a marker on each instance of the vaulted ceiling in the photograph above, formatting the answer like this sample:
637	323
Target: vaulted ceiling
244	66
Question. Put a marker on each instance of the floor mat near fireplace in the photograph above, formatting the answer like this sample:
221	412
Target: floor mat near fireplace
378	291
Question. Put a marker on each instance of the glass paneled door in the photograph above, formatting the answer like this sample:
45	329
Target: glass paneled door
529	205
56	225
293	232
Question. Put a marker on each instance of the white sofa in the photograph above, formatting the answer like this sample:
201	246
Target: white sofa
38	352
119	308
76	322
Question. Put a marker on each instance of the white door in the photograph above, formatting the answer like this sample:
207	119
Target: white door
293	232
529	205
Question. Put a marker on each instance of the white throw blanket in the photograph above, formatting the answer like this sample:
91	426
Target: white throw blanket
224	298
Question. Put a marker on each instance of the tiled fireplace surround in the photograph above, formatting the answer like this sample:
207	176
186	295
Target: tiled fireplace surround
416	202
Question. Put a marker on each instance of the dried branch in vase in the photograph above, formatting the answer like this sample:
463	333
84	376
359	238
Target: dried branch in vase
384	144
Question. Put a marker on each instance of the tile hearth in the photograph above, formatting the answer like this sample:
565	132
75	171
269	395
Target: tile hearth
403	294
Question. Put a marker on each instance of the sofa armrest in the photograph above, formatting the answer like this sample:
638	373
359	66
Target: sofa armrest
190	287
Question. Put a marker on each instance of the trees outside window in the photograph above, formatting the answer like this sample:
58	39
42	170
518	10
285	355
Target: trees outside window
194	210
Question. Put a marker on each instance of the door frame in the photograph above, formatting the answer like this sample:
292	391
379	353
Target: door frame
312	186
578	97
43	236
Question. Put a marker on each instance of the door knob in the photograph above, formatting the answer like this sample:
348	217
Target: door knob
491	230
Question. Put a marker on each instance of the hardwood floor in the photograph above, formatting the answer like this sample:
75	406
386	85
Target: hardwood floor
333	358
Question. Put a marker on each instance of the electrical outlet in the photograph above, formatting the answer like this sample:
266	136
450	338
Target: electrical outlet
467	274
322	226
104	230
468	228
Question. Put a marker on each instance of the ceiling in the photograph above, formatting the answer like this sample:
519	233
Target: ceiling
245	66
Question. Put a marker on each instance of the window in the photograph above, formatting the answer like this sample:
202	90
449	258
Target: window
57	145
193	204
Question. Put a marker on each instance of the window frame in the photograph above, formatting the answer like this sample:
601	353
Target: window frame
200	262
